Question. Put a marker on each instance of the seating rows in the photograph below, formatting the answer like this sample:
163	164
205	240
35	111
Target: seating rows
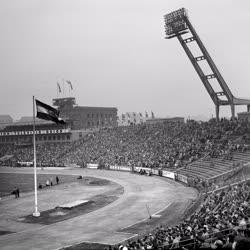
209	168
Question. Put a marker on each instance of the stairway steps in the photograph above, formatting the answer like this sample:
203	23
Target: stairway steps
201	172
194	174
204	170
206	166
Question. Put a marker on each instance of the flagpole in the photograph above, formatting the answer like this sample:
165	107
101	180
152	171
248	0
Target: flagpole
36	213
63	89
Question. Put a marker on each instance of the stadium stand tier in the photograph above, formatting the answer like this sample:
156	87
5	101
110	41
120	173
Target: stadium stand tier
202	148
201	151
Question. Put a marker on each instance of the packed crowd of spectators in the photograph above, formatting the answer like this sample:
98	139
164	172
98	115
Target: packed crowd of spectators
47	154
168	145
222	222
159	145
221	219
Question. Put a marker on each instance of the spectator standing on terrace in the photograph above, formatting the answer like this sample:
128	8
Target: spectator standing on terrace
51	181
17	192
57	180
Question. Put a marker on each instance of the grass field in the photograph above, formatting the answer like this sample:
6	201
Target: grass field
25	182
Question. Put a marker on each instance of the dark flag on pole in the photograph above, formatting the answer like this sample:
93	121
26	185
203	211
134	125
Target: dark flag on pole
46	112
59	88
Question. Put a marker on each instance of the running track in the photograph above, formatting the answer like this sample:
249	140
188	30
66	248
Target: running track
100	226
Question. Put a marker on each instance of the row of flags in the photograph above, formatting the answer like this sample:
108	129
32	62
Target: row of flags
59	86
140	115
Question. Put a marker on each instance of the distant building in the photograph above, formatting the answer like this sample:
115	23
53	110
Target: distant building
27	120
82	117
22	135
5	120
131	118
244	116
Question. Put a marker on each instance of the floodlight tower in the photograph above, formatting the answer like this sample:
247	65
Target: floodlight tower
176	25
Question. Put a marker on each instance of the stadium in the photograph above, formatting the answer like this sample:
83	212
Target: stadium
145	183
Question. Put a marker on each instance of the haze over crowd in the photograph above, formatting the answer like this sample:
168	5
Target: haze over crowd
115	54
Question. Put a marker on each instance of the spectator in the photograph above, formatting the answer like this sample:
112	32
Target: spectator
57	180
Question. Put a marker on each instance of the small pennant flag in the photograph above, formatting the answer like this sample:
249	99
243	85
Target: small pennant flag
46	112
59	87
70	84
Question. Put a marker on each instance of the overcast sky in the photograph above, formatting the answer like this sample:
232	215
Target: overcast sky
115	54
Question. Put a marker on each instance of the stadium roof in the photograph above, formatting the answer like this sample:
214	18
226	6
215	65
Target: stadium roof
5	118
26	120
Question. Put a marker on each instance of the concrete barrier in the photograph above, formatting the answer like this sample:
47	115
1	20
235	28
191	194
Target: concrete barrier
120	168
168	174
92	165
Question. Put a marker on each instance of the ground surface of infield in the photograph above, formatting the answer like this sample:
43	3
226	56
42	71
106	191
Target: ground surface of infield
110	224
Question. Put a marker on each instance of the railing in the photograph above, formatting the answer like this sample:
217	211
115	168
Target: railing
226	174
195	243
247	180
193	207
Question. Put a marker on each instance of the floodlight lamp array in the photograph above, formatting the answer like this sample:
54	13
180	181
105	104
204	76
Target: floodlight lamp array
175	23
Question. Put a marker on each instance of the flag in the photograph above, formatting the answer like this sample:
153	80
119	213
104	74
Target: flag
70	84
59	87
46	112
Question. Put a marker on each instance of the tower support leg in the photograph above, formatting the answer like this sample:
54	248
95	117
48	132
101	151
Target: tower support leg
217	111
233	111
